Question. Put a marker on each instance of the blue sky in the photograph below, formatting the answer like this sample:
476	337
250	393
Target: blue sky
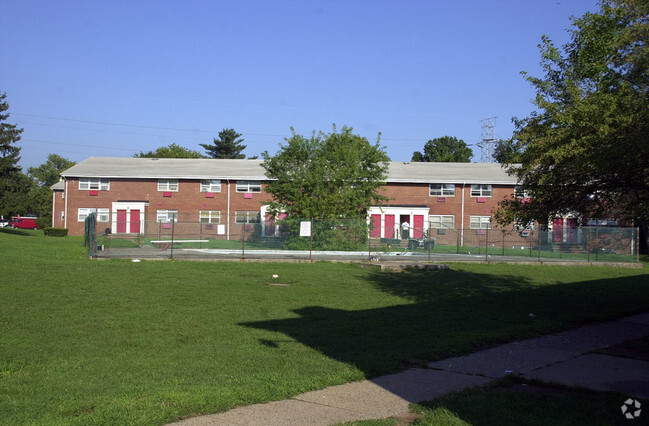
113	78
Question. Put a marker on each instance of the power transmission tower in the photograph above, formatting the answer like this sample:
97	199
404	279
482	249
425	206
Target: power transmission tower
487	139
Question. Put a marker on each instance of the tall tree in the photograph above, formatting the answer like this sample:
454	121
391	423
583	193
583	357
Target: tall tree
48	173
586	147
447	149
13	183
507	151
327	176
171	151
228	145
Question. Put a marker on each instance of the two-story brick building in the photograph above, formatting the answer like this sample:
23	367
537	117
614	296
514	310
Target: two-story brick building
129	194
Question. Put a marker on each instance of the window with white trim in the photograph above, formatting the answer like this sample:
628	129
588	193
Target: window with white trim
103	215
520	192
248	186
242	217
480	222
211	185
481	190
96	184
442	189
167	184
167	216
210	216
442	221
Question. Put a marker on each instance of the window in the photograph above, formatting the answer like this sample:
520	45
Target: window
103	215
520	192
442	221
248	186
167	216
480	222
481	190
442	189
210	185
167	184
247	217
97	184
210	216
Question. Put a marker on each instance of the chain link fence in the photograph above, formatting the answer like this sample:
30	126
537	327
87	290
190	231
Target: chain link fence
249	237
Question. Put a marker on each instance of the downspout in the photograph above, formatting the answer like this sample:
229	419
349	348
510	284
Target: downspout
65	209
228	224
462	219
53	208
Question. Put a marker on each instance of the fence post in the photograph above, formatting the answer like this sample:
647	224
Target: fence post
486	245
173	227
311	242
243	241
539	245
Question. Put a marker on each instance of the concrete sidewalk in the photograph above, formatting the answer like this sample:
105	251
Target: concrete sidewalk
561	357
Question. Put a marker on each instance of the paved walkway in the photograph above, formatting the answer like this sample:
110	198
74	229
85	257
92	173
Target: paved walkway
561	357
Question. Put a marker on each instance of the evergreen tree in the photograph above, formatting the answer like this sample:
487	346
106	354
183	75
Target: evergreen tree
13	183
228	145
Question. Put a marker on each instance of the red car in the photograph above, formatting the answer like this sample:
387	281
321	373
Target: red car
23	222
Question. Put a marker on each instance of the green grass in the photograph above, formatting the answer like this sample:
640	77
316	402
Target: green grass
118	342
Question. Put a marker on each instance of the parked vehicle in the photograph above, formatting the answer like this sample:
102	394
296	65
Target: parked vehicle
23	222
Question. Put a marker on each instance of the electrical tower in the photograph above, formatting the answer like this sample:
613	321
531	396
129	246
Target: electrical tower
487	139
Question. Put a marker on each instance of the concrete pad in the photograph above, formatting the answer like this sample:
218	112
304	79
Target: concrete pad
640	318
601	372
512	358
596	336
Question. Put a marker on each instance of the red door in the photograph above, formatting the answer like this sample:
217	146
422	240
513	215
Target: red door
135	222
389	226
376	226
121	221
557	230
417	226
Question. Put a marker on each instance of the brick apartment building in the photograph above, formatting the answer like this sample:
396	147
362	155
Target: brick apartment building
130	195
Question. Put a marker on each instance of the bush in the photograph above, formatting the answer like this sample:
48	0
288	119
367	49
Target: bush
55	232
44	222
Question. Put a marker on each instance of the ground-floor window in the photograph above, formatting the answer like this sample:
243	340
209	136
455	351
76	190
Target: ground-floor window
167	215
210	216
442	221
480	222
242	217
103	215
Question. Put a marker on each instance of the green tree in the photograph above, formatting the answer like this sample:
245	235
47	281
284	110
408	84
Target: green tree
13	183
228	145
507	151
327	176
38	200
447	149
171	151
48	173
585	149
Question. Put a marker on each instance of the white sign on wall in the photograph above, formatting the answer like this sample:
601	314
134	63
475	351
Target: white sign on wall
305	229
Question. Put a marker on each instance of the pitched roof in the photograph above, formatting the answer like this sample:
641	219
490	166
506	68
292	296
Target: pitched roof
208	168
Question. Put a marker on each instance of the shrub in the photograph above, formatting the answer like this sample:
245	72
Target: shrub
44	222
55	232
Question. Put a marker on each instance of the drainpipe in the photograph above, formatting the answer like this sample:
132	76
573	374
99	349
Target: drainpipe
65	209
228	223
462	219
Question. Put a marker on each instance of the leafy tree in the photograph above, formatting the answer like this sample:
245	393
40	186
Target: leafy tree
48	173
447	149
327	176
586	147
507	151
228	145
13	183
171	151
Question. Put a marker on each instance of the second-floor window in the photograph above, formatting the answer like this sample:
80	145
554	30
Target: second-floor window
481	190
442	189
248	186
98	184
167	184
210	185
520	192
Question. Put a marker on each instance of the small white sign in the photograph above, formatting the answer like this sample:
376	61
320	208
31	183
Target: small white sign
305	229
220	229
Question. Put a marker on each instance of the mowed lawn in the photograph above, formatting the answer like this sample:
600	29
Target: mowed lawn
118	342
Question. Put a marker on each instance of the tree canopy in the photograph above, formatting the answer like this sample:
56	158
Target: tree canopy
447	149
13	184
48	173
585	149
171	151
228	145
327	176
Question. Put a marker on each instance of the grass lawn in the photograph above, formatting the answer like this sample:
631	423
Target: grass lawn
88	342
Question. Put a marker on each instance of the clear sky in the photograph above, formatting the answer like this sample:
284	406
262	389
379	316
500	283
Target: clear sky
116	77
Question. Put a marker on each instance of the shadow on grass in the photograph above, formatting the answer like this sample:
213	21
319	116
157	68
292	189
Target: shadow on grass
452	313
